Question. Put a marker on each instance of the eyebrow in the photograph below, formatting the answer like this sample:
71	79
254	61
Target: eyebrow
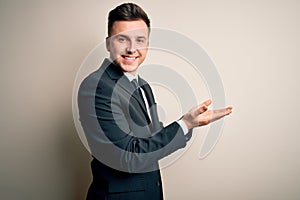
121	35
142	37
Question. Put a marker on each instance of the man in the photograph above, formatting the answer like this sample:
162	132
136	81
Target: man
119	116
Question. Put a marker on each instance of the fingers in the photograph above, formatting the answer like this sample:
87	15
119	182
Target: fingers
203	107
229	110
201	115
207	102
217	114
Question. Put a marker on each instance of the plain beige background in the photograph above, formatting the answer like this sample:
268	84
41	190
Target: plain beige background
255	46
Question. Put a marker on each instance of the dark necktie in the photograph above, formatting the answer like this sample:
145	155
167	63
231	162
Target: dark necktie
135	84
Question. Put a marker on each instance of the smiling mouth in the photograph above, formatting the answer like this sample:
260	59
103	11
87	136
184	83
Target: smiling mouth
130	58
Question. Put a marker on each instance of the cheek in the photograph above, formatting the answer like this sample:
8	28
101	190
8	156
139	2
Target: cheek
115	53
144	52
117	48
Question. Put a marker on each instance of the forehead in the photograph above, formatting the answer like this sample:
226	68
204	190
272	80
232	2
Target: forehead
137	27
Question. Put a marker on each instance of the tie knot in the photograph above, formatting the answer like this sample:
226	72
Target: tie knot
135	83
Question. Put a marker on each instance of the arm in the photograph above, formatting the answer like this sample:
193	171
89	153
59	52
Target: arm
117	141
113	136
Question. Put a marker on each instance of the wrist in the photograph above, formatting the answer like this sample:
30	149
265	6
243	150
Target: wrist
187	123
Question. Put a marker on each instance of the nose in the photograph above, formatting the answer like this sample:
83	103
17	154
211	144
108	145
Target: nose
131	47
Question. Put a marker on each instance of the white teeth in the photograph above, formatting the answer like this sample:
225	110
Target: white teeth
130	58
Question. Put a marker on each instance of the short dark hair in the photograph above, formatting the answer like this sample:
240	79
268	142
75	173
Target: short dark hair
127	12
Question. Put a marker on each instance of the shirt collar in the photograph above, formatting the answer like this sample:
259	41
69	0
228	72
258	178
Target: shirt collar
131	77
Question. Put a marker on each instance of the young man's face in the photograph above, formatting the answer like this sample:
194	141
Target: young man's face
128	44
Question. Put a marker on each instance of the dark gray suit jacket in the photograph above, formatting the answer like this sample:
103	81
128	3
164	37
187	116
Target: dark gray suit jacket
125	143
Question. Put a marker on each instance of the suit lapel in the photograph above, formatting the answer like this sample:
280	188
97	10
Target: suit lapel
115	73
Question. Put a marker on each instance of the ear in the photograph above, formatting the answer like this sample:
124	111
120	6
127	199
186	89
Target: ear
107	42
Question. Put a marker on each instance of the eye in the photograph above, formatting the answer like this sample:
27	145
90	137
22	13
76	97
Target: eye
121	39
141	40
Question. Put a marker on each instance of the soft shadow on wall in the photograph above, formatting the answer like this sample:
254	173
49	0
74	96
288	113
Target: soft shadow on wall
75	159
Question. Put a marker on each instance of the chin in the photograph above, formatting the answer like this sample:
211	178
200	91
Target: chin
127	68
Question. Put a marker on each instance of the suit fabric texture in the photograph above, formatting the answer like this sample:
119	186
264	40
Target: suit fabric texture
125	142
